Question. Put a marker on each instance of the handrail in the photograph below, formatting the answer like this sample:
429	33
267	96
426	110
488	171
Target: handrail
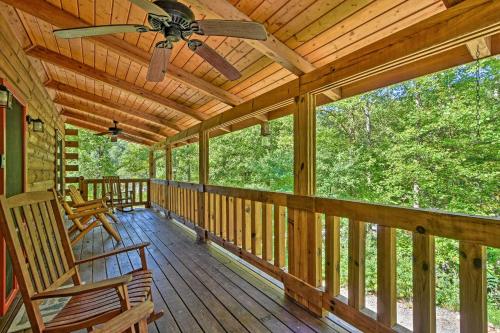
252	224
94	188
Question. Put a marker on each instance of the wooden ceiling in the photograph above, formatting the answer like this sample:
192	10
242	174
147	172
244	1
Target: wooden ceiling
95	80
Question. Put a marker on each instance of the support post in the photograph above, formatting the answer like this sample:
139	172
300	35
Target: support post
203	146
152	166
305	226
168	176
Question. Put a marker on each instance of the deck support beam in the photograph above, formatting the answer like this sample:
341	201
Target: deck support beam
304	227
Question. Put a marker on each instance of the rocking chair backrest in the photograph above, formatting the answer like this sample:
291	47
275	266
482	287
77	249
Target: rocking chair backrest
75	195
112	184
34	231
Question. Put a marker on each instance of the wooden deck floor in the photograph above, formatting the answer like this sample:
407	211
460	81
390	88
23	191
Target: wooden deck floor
200	287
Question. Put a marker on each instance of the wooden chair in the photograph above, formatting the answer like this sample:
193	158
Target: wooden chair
43	261
120	199
78	201
133	318
85	217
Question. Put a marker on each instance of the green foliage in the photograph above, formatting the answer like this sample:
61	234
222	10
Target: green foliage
98	157
185	163
247	159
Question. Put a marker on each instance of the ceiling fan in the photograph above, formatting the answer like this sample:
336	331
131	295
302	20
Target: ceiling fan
175	21
114	132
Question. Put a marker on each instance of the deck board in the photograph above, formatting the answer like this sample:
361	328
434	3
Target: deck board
200	287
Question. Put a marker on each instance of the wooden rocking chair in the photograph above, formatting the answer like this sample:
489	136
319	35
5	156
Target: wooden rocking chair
85	217
43	261
120	199
78	201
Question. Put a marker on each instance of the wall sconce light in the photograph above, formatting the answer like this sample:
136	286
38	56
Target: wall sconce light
37	123
5	97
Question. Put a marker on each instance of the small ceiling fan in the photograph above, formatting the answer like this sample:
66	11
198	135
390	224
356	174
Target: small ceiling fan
113	132
176	22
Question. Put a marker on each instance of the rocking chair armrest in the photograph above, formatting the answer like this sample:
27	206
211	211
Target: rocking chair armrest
86	213
114	252
89	206
87	203
84	288
127	319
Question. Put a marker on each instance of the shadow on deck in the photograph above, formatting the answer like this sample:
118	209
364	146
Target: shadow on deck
200	287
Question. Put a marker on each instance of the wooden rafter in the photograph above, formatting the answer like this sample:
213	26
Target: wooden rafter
96	128
82	94
107	123
432	37
90	109
100	121
59	60
272	47
62	19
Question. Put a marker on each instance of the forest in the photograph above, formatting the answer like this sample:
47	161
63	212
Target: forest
432	142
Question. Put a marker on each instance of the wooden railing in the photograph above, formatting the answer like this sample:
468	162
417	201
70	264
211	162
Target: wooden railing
95	189
258	226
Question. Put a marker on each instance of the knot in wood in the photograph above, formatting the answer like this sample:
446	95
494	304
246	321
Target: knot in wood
420	229
478	263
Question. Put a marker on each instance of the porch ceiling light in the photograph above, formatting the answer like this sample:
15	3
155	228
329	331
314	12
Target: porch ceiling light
37	123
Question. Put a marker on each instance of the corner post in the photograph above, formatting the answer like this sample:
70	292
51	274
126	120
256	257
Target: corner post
304	225
203	146
169	175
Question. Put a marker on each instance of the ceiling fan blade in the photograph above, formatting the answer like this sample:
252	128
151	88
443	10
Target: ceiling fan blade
217	61
158	64
102	133
241	29
99	30
150	7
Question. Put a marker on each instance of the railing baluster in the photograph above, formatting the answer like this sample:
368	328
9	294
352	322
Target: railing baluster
238	224
279	235
424	287
473	292
223	216
386	275
256	228
267	232
356	265
246	225
229	219
217	214
332	252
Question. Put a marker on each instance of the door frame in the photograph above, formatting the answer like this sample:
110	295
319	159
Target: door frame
6	300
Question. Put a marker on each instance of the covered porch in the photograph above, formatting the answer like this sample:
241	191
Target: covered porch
227	259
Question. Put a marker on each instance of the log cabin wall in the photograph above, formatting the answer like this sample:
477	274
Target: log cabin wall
25	78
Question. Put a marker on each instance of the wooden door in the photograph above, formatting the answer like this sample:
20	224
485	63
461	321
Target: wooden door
12	181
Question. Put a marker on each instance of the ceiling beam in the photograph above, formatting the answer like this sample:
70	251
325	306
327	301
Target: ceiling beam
76	114
470	20
62	19
70	64
273	48
82	94
480	48
91	109
96	128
